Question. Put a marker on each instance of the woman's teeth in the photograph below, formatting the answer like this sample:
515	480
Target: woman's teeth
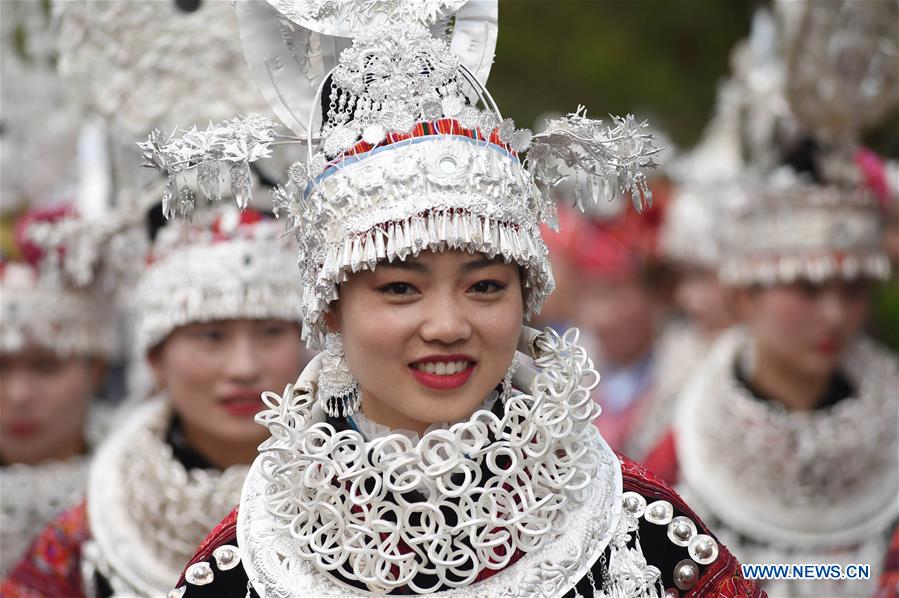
442	368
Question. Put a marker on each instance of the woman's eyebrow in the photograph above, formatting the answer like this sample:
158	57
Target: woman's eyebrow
482	262
413	266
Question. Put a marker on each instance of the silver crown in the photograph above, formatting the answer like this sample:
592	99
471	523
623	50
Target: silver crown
413	154
780	224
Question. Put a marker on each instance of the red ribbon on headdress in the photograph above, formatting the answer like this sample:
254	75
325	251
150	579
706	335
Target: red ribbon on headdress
248	217
874	172
32	253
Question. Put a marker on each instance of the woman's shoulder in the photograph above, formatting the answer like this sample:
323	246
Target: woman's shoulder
674	539
214	568
51	567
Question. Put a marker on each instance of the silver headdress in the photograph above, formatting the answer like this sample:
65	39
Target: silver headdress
39	137
810	81
411	154
223	265
65	321
52	299
703	187
139	66
58	299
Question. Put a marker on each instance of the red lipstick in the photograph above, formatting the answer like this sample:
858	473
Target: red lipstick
828	346
243	404
22	429
443	381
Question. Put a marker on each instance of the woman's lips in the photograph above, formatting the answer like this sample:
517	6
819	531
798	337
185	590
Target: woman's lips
243	404
432	372
829	346
22	429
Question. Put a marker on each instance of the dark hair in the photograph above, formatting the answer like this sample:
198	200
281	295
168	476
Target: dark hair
155	221
188	5
803	157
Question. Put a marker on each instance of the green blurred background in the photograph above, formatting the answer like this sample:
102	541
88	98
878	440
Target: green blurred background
657	58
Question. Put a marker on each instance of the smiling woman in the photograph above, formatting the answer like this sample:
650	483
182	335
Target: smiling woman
437	445
428	338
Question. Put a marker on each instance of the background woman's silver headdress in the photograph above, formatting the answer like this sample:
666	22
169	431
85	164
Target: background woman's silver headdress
811	78
59	297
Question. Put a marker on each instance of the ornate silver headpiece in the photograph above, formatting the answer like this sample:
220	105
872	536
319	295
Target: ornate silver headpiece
39	140
808	82
690	230
704	189
58	300
412	155
225	264
66	321
142	63
137	65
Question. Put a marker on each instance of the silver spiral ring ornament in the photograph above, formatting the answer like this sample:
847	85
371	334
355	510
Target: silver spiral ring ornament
390	513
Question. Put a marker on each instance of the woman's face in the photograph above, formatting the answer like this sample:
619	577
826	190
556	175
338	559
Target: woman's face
430	337
700	296
214	373
806	327
622	314
44	401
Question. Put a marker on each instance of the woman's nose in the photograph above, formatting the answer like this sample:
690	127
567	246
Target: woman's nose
15	389
834	308
445	321
242	363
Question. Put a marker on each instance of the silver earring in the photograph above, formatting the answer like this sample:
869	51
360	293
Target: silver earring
507	381
338	391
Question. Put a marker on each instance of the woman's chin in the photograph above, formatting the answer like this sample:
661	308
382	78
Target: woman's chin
445	409
239	430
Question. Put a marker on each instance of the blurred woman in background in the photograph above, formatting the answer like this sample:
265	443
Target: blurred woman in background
787	435
215	321
622	303
55	337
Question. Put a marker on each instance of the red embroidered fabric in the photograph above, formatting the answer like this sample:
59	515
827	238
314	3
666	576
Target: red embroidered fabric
723	578
52	565
889	579
224	533
443	126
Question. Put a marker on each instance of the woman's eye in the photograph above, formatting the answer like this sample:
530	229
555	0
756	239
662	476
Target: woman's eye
487	286
274	329
212	336
398	288
808	289
45	366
